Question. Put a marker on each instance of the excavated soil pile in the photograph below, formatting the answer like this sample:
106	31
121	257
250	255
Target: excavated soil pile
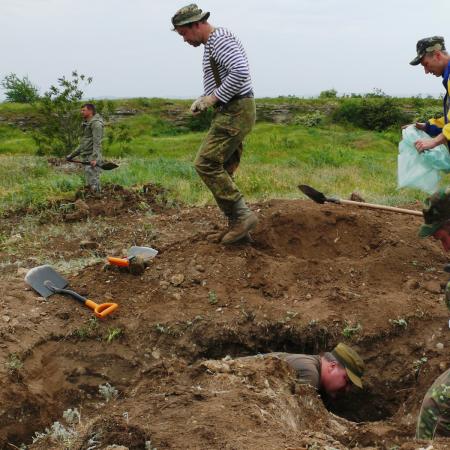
113	201
172	353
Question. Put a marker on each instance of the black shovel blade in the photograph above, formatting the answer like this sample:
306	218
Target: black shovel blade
42	278
108	165
314	195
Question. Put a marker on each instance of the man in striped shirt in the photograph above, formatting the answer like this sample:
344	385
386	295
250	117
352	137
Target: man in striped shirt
227	88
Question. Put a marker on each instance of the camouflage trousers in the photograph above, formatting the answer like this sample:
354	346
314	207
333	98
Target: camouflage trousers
434	417
92	175
220	153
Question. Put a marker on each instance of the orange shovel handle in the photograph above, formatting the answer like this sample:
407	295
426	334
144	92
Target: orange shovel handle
121	262
101	310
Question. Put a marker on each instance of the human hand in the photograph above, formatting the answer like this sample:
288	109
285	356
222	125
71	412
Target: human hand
93	163
69	158
423	145
203	103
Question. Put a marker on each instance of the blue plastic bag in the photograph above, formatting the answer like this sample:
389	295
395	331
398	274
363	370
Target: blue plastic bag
420	170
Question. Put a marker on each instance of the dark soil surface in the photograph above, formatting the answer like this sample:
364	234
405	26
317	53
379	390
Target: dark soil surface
313	276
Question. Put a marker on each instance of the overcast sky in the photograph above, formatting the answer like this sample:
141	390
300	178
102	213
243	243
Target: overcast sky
295	47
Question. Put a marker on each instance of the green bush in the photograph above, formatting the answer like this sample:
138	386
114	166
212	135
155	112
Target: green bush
330	93
19	90
59	110
374	113
310	120
425	114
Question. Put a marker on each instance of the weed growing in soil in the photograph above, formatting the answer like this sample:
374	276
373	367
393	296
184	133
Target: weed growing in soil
72	416
112	334
212	297
89	330
350	330
107	391
57	433
166	329
13	363
417	366
400	322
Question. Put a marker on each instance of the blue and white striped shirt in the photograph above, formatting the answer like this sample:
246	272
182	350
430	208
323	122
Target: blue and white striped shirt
231	60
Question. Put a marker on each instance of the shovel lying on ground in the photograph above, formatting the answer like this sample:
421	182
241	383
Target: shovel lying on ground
319	197
146	253
46	282
106	165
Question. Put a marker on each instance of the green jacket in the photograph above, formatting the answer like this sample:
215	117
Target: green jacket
90	147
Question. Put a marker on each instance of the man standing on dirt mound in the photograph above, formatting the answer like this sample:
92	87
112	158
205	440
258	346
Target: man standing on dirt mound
90	148
433	57
434	417
228	89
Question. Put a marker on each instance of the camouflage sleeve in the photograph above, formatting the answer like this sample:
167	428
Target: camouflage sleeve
434	417
97	136
76	152
447	295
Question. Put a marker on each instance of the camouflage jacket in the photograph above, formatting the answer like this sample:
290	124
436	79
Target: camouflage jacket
90	147
434	417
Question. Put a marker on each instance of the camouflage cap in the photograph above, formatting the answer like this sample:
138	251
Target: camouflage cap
427	45
352	362
188	14
436	212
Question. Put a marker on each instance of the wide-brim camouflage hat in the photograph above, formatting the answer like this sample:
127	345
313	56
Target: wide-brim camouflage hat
427	45
436	212
189	14
352	362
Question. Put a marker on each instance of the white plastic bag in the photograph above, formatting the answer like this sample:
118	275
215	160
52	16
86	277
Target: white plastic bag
420	170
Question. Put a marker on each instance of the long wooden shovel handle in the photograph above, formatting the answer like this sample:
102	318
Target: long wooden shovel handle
411	212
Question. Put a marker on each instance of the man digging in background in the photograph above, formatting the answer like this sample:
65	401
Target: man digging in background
227	88
433	57
90	148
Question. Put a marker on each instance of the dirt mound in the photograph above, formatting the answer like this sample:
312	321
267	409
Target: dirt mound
114	201
314	275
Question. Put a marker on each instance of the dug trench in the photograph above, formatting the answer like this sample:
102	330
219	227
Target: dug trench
176	353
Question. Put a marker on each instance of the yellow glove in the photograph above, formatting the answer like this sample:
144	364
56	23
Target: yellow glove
203	103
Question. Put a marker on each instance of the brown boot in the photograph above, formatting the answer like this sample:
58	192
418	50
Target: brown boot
217	236
245	221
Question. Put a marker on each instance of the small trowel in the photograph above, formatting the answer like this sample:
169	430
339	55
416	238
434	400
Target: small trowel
146	253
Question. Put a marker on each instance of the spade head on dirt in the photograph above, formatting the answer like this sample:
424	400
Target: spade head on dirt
43	278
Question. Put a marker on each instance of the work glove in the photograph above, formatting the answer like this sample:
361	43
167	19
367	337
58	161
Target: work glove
203	103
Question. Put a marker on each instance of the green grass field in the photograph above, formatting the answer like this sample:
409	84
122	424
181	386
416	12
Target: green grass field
333	158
